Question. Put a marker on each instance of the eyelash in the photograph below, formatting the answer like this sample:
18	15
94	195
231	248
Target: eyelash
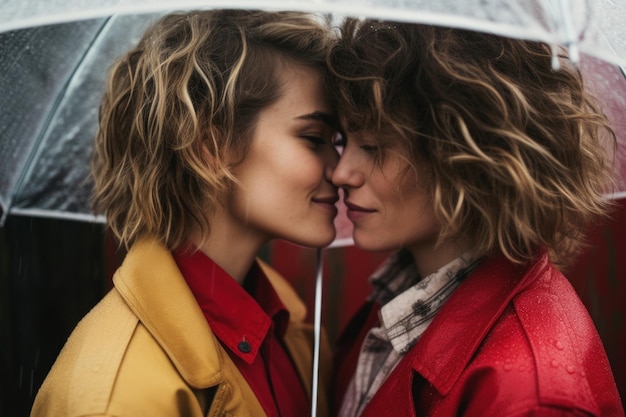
317	140
370	148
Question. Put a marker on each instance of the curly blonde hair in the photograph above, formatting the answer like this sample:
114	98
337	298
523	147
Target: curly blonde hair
514	151
179	111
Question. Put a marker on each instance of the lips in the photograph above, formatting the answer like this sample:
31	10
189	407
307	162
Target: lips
327	202
352	206
356	212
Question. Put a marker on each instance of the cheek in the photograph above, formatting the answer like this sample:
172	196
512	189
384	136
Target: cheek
424	222
306	170
410	203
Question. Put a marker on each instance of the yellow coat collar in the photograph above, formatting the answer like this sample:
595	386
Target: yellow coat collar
151	284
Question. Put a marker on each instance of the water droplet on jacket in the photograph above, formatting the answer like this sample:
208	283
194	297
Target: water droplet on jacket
570	369
559	345
508	367
554	363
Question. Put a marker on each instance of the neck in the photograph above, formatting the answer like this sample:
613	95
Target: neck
430	258
230	245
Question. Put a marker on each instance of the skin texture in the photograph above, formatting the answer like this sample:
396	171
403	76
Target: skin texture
388	203
284	186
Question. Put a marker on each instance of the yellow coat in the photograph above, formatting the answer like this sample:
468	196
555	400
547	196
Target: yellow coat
147	350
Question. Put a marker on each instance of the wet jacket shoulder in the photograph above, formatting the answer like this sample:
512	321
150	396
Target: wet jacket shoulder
511	341
146	349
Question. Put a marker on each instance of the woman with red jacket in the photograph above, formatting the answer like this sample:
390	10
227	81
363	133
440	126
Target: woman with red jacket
482	166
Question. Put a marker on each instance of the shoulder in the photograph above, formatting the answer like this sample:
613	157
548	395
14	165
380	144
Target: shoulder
572	366
105	369
544	350
84	373
558	329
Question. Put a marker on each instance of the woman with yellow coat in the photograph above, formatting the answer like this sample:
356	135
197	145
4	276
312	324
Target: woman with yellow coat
215	137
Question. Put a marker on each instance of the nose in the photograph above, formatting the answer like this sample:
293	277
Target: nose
348	172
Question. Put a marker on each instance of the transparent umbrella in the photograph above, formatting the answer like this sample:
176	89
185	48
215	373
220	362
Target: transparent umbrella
55	54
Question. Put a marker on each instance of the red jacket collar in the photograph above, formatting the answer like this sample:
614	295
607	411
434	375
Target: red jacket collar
479	300
234	315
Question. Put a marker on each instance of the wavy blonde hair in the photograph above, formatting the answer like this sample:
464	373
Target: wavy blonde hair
514	152
179	111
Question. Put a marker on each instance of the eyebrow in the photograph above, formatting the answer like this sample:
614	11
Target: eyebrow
328	119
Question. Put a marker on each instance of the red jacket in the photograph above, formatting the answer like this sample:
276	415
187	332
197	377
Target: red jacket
511	341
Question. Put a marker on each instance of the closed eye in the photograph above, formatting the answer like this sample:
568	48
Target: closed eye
316	139
369	148
320	125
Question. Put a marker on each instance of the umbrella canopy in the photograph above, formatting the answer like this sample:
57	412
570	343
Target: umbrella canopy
52	78
594	27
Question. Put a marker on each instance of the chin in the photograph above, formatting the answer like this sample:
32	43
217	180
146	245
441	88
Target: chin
371	244
319	240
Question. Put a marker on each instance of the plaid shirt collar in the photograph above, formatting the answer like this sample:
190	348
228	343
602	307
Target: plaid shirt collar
409	302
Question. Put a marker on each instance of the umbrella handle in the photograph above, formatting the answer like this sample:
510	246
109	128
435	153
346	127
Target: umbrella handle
317	331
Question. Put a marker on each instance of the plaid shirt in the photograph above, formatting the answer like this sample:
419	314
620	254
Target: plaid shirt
409	306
